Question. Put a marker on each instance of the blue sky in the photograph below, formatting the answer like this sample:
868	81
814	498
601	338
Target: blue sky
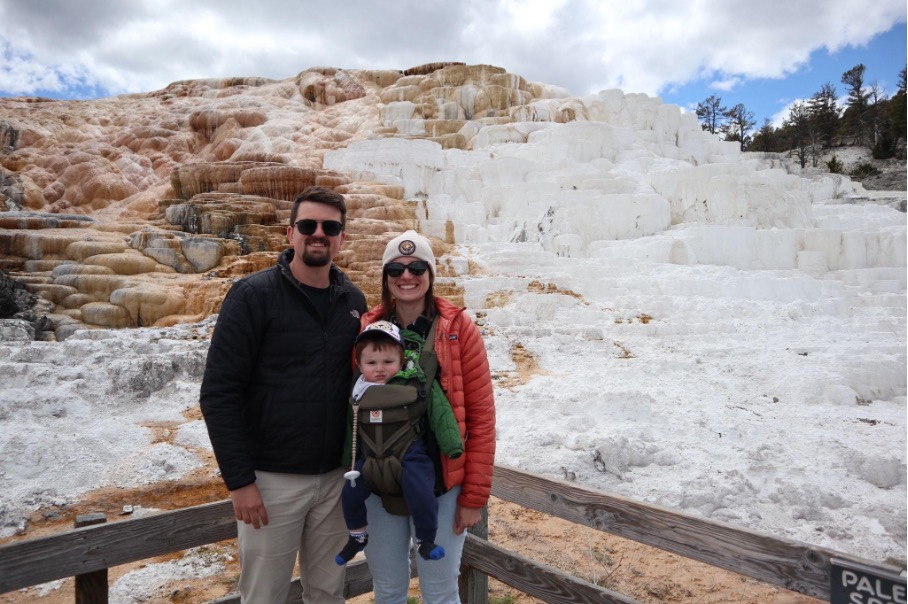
762	53
884	56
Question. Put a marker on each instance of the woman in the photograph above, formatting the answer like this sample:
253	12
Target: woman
462	484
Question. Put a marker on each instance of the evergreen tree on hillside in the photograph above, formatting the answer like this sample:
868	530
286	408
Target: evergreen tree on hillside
876	117
824	111
738	124
896	122
710	113
868	117
766	138
801	134
856	113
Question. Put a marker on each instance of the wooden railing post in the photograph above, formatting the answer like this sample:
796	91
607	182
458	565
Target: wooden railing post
473	584
91	588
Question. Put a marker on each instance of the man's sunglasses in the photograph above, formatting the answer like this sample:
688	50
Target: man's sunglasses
330	228
396	269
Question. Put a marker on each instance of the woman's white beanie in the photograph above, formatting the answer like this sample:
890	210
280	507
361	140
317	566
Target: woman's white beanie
409	243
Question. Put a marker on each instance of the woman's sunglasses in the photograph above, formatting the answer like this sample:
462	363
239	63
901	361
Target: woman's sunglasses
330	228
396	269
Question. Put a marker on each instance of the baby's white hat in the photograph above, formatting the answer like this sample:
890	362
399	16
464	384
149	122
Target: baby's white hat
381	329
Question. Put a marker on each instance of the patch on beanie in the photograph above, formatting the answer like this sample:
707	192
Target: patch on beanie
406	247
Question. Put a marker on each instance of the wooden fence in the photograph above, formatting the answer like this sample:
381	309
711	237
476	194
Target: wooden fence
89	551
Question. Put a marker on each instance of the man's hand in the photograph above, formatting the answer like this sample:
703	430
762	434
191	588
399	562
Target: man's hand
464	518
248	505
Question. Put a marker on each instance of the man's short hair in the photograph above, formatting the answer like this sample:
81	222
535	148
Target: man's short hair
320	195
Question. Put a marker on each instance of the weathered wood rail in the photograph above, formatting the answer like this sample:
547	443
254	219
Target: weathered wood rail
789	564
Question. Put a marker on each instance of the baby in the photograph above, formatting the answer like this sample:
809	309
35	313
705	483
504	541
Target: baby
380	356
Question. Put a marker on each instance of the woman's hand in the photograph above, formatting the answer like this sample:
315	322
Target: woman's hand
465	518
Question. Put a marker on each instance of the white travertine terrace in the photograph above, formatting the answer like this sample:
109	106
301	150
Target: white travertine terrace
173	188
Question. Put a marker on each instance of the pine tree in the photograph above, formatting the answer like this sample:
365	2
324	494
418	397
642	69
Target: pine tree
766	138
856	112
739	122
801	133
824	111
896	118
710	112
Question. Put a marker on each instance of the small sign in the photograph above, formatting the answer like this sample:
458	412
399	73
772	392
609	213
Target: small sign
854	583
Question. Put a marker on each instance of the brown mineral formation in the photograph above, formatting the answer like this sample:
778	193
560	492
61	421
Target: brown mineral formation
141	209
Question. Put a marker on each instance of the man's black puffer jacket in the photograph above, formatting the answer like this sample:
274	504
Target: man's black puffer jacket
278	377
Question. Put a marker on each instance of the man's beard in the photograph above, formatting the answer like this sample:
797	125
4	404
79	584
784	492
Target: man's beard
314	261
317	260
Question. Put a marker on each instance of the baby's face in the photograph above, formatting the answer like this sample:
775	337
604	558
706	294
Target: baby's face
379	365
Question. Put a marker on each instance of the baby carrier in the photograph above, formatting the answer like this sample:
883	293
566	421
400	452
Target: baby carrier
387	419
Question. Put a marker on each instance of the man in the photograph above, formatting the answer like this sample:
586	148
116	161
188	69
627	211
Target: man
274	397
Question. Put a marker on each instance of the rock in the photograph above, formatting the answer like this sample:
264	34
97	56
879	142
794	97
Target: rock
202	254
328	86
893	173
219	214
145	305
277	182
130	262
889	180
16	330
107	315
14	297
80	250
193	179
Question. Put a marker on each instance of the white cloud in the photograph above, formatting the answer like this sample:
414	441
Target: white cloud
583	45
779	118
532	15
726	84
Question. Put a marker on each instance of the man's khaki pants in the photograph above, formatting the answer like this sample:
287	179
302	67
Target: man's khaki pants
304	516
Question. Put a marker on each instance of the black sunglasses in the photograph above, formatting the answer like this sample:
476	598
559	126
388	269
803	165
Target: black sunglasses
330	228
396	269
